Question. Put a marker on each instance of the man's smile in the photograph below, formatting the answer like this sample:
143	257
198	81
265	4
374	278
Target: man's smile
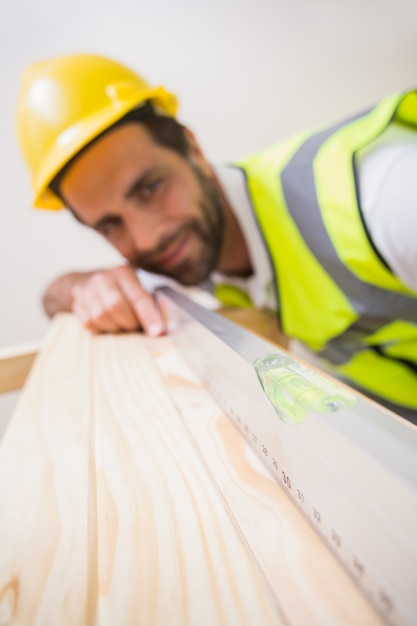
175	252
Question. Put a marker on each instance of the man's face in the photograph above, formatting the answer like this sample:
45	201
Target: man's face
162	212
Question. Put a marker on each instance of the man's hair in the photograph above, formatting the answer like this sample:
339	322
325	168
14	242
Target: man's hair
165	131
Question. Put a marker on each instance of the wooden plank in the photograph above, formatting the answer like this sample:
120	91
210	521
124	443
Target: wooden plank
126	496
310	585
108	513
47	491
15	363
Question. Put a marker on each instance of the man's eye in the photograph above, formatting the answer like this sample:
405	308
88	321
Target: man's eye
149	189
109	227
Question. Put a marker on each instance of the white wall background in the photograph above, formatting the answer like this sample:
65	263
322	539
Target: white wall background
248	72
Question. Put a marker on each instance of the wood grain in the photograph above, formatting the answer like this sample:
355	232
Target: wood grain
108	514
310	585
127	497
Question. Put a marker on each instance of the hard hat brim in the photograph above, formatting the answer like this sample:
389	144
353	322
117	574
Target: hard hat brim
76	137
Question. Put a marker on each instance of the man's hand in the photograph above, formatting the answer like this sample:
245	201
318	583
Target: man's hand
106	301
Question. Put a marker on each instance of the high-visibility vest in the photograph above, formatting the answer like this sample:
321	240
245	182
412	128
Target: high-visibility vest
336	293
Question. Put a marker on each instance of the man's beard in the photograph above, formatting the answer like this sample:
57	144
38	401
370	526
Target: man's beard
208	230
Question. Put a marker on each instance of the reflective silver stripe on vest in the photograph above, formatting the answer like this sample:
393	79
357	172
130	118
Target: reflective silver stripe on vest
369	301
341	349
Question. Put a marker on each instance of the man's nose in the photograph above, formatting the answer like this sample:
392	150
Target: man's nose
144	232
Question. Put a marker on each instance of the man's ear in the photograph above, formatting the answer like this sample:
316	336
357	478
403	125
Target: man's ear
196	153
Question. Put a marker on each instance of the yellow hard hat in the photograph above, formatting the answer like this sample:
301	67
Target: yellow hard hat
66	102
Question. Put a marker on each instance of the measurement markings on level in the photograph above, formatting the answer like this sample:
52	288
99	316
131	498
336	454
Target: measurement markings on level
360	571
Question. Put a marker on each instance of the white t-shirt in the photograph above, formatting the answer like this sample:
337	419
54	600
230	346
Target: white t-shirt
388	196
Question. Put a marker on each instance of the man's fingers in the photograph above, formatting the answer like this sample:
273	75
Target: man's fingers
142	303
120	311
149	314
81	309
116	310
100	307
114	300
88	307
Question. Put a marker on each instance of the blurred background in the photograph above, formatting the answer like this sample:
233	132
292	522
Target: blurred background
247	73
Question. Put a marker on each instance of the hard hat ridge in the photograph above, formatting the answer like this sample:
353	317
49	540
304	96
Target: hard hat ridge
66	102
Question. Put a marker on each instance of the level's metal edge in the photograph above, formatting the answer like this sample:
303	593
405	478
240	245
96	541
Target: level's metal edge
390	439
246	344
355	469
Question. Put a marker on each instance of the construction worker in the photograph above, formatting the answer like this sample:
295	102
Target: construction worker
320	228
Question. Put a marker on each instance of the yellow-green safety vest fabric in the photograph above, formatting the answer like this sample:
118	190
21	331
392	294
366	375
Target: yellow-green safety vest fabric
336	293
